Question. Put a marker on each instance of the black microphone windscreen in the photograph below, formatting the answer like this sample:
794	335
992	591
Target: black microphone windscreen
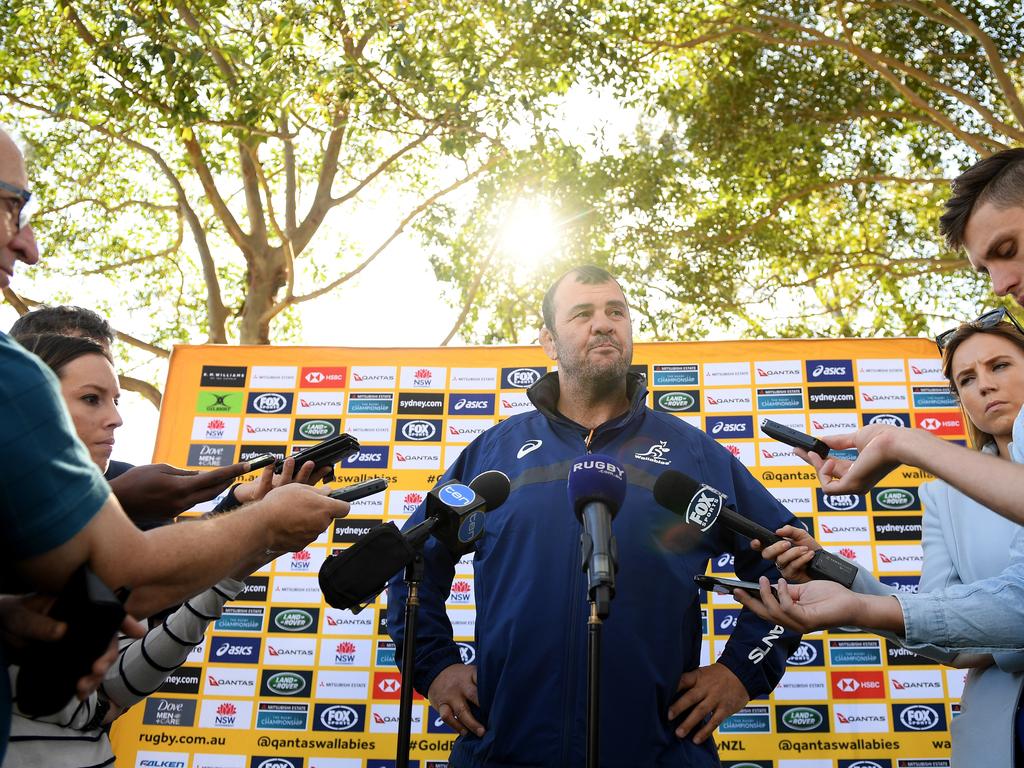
673	490
351	579
493	485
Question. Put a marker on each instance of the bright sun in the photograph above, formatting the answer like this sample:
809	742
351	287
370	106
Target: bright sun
529	235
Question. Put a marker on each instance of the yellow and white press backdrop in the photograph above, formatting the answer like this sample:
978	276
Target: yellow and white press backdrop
284	681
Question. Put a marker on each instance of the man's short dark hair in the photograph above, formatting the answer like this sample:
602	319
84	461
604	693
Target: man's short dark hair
998	179
68	320
588	274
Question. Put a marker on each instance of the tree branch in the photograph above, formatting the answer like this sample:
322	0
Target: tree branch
471	293
398	231
322	196
198	163
144	388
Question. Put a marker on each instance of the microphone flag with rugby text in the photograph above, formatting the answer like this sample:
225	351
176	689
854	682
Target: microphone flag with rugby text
703	506
454	512
597	488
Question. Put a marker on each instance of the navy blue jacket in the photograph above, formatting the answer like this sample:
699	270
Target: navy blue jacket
531	600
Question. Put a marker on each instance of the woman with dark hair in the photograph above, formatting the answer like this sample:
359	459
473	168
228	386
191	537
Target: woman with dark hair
88	383
963	541
77	735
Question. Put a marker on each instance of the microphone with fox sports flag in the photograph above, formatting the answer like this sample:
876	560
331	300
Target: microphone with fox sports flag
351	579
703	506
597	488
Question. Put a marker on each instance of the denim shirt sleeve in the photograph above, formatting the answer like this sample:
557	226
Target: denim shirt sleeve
982	617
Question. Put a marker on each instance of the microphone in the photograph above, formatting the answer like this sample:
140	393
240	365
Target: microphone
703	506
597	488
351	579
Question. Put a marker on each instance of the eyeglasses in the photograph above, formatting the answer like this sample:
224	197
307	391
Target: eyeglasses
988	319
23	204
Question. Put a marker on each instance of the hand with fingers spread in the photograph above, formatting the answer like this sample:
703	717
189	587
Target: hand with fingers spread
254	490
877	455
822	604
711	694
791	556
451	693
160	492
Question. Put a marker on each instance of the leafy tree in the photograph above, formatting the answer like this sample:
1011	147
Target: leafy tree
788	167
207	159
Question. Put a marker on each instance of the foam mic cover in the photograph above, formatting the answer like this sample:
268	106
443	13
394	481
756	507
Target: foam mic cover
353	578
599	478
493	485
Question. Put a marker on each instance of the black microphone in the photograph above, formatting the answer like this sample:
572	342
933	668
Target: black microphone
703	506
351	579
597	488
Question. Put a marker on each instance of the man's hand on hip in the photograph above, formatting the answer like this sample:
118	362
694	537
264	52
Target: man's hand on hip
711	691
451	693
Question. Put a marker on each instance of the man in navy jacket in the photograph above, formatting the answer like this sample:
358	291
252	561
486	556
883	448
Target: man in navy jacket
524	701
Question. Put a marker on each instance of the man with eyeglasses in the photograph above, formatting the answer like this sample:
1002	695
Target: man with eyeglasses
17	241
985	217
57	512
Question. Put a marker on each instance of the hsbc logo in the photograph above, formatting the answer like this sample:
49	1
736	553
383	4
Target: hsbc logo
939	423
324	377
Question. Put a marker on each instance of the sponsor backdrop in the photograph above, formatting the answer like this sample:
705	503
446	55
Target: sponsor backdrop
284	681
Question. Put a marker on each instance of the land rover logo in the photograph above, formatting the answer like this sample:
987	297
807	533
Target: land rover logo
895	498
316	430
270	402
802	719
676	401
286	683
293	620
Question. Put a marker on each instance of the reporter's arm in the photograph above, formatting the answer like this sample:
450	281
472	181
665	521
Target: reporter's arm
170	564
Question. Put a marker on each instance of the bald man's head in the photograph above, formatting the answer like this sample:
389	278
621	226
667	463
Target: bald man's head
16	244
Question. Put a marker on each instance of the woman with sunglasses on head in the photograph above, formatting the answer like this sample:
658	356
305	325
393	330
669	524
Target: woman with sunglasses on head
77	735
963	541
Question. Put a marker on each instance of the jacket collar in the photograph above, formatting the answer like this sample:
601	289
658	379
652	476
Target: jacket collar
544	395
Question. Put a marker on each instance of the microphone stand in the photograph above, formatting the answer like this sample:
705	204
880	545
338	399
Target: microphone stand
600	595
413	577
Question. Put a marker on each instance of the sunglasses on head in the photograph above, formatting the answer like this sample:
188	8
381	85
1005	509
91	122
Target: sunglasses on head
988	319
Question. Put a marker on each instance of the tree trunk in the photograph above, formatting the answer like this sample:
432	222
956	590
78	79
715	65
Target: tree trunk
267	275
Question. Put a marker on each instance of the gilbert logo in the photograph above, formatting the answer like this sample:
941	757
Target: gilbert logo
529	447
656	453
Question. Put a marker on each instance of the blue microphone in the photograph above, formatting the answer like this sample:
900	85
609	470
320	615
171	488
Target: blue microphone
597	488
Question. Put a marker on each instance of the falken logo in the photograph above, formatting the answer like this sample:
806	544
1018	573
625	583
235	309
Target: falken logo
656	453
528	447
